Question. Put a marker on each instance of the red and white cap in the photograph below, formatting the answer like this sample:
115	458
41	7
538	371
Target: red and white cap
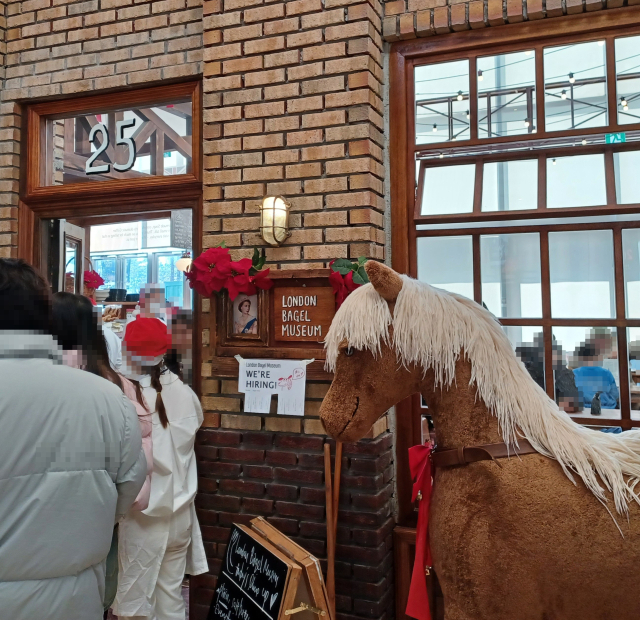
146	340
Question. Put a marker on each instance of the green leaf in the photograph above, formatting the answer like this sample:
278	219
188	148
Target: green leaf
341	262
357	278
256	256
343	271
362	260
261	262
363	275
222	245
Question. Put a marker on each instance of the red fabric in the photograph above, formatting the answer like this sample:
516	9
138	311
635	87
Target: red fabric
420	465
147	338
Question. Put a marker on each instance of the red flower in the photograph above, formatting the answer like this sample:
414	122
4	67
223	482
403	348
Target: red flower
261	280
239	281
92	279
342	285
208	273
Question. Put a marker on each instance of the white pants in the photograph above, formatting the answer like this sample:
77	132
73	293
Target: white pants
152	559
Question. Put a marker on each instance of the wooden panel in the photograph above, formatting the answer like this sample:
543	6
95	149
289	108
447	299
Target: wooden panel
302	313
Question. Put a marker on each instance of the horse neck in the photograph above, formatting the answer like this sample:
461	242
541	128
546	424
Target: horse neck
460	417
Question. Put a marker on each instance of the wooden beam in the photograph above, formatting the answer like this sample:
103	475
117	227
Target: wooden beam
181	144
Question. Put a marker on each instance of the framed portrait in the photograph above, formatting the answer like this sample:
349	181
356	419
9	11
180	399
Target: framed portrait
245	319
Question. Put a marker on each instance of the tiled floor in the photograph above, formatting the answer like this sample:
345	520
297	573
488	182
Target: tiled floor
185	596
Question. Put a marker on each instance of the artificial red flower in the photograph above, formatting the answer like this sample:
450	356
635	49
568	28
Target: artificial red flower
342	285
92	279
238	281
261	280
209	272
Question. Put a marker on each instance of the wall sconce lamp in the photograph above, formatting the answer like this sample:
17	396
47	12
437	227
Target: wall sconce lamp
184	262
274	220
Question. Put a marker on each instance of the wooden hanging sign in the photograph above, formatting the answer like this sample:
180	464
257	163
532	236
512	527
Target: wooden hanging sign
266	576
302	314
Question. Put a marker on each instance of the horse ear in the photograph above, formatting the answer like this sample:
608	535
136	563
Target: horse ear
384	279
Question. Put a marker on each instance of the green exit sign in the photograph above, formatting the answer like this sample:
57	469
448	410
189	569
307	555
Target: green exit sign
615	138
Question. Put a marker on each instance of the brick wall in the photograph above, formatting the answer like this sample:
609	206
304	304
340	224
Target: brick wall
408	19
280	476
293	106
58	48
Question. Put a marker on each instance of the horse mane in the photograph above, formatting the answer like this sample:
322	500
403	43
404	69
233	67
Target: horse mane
431	328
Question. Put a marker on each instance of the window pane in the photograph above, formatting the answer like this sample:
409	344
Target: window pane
135	273
106	267
633	347
510	185
577	181
528	343
626	166
506	94
631	268
591	354
171	278
628	80
442	102
575	88
582	279
131	143
448	189
510	267
455	274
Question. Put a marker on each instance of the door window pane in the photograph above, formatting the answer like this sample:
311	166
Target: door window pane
510	185
448	189
453	274
592	356
506	94
575	88
582	278
510	267
171	278
631	268
628	79
442	102
577	181
135	273
626	166
71	265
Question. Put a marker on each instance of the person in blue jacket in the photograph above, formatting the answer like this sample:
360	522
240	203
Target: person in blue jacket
593	378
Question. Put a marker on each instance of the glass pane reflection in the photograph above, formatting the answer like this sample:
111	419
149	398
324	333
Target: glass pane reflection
575	88
625	166
454	274
628	79
448	189
510	268
510	185
507	94
576	181
582	277
631	268
442	102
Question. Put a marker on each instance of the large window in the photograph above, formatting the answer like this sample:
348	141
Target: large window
528	201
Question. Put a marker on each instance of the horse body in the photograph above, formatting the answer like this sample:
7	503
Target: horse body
518	540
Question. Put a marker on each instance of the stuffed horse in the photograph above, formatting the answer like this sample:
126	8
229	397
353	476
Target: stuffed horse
553	534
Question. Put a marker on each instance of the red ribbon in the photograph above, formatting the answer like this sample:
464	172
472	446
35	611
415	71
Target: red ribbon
420	465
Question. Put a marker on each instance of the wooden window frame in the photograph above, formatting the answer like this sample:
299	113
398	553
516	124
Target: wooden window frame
404	56
38	153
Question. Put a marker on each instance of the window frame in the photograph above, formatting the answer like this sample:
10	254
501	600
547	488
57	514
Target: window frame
536	35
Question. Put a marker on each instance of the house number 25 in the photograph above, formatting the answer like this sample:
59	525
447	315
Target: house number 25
120	139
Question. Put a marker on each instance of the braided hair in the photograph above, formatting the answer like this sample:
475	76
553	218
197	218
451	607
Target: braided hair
156	384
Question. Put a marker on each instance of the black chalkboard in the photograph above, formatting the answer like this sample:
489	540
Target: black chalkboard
181	229
252	580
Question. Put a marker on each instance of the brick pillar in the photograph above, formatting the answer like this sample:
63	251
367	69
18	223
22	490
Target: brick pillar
293	107
281	476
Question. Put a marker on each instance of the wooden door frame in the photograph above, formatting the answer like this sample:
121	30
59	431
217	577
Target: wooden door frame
402	150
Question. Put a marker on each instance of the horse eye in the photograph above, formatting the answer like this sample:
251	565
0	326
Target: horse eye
348	351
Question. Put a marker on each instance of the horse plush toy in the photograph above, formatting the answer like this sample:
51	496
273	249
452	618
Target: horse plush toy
532	516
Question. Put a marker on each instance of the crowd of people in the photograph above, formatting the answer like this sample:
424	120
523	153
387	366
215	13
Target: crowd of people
98	471
582	379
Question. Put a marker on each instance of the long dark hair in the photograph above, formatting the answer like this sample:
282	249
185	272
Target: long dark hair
173	359
75	326
155	373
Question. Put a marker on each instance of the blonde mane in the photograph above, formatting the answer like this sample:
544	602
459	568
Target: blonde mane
430	329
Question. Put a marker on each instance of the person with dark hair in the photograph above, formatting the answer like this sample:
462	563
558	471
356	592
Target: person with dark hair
179	358
72	463
162	543
75	326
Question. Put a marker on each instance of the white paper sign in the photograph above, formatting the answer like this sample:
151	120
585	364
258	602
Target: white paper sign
260	379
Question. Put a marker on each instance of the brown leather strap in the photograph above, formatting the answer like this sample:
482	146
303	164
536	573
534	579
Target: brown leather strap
486	452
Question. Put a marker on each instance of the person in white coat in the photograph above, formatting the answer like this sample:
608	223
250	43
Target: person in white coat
161	544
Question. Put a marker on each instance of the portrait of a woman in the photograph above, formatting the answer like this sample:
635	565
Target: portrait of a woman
244	322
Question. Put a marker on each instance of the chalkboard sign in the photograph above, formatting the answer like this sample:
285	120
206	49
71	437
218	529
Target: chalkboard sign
255	581
181	229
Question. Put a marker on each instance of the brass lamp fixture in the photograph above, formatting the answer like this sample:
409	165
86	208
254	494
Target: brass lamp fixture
184	262
274	220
